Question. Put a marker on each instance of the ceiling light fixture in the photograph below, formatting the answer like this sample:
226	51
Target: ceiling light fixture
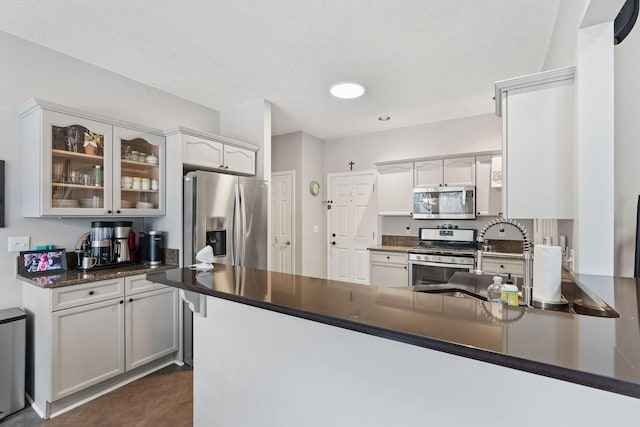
384	118
347	90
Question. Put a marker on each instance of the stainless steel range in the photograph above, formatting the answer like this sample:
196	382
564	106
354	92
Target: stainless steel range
442	251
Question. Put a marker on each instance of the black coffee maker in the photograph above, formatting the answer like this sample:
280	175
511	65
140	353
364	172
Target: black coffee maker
151	247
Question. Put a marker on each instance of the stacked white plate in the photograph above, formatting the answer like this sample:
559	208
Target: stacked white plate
152	159
144	205
65	203
126	204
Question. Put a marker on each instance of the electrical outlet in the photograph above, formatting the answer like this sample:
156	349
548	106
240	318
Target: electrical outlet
18	243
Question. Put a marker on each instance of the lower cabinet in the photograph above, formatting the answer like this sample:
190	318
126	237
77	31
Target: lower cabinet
88	346
151	325
490	265
85	334
389	269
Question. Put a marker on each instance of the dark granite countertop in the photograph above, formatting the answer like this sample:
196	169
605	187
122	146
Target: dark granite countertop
77	277
603	353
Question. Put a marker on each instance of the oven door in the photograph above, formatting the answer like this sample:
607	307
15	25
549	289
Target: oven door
432	273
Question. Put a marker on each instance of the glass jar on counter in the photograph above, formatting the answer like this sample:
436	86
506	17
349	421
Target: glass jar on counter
97	175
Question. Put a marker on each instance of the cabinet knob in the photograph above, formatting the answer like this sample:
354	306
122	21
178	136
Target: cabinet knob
121	301
478	213
91	292
109	212
388	257
405	267
130	299
118	211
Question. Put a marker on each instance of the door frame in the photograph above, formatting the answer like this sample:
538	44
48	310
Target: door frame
294	246
371	172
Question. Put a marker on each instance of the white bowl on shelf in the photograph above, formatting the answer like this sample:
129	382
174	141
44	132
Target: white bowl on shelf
126	204
152	159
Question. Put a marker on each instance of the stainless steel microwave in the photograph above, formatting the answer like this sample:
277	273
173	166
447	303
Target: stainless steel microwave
444	202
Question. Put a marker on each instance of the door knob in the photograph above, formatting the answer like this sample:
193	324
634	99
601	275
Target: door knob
333	243
288	242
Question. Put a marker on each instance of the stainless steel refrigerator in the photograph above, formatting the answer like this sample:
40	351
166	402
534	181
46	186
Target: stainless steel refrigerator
228	213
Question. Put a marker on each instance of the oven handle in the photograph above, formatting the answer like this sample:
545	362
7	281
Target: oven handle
440	264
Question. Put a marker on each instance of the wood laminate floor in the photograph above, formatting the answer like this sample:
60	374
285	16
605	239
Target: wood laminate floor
163	398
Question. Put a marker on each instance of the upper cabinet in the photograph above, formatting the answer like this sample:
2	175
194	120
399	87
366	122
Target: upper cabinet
88	165
453	172
488	185
538	120
203	150
395	189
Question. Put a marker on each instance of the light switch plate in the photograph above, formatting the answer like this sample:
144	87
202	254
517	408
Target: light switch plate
18	243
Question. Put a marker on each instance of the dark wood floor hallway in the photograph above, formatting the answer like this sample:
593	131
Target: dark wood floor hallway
164	398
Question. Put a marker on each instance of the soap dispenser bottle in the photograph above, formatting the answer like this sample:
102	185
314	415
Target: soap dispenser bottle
494	290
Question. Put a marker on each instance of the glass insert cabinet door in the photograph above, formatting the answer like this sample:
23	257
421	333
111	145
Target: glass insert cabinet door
138	172
76	166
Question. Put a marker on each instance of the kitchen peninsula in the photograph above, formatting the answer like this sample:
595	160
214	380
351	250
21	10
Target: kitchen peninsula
280	349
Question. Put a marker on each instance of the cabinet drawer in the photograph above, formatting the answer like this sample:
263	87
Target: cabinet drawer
389	257
515	267
76	295
136	284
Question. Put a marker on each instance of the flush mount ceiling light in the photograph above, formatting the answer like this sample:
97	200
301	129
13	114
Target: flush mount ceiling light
347	90
384	118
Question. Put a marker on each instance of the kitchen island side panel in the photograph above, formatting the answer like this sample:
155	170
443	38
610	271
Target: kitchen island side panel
259	367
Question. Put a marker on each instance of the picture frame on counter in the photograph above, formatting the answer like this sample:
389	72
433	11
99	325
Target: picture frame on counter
38	262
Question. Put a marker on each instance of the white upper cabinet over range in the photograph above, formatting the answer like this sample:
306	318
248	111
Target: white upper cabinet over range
537	144
203	150
452	172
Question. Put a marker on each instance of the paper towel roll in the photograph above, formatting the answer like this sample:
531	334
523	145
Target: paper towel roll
547	271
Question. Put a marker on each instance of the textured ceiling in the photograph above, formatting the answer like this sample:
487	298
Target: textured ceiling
420	60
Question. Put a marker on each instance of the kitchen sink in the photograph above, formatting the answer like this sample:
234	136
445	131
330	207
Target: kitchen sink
467	285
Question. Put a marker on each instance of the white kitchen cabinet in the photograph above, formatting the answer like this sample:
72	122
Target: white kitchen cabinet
538	120
491	265
389	269
460	171
207	151
80	158
454	172
429	173
151	326
88	346
395	189
85	334
488	198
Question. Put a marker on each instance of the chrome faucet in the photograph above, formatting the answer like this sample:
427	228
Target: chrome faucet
526	246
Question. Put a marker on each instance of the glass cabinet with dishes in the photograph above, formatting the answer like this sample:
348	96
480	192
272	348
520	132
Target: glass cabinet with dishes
80	164
137	172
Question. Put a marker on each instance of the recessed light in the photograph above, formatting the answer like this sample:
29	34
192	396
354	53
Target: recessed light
347	90
384	118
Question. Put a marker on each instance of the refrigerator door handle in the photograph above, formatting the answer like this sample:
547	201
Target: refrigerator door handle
243	230
235	241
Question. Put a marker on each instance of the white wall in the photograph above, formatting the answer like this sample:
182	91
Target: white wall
313	211
627	149
468	134
287	156
593	230
304	153
29	70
